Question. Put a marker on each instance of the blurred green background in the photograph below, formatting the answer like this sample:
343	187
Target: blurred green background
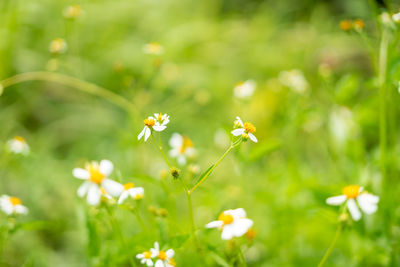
311	144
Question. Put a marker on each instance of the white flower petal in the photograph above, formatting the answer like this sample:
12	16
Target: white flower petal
238	132
241	226
353	209
214	224
20	209
337	200
106	167
94	195
80	173
142	133
159	128
176	140
170	253
83	189
227	232
181	160
140	256
367	203
122	197
149	262
253	137
239	120
236	213
159	263
112	187
147	133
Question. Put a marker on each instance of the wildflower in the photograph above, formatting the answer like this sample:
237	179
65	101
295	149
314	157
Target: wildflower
396	17
386	20
367	202
18	145
72	11
153	48
194	169
182	148
164	258
295	80
145	258
233	223
244	89
157	123
12	205
246	130
58	46
359	24
132	191
97	177
346	25
342	124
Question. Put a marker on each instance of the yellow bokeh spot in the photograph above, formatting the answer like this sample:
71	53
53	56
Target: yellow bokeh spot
128	186
351	191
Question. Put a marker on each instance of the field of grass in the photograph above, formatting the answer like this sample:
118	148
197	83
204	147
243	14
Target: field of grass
315	83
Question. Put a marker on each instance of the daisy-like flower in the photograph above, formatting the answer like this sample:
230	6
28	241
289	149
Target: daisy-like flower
18	145
352	195
58	46
233	223
132	191
182	148
396	17
244	89
153	48
295	80
246	130
72	12
97	178
164	258
145	258
12	205
157	123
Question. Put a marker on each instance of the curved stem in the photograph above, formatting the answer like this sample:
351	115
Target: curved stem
73	83
161	150
331	246
233	145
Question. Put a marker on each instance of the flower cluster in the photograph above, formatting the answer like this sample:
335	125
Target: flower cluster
245	130
18	145
182	148
157	123
160	257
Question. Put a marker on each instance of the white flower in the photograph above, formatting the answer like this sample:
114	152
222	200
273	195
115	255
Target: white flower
58	46
233	223
157	123
18	145
145	258
153	48
396	17
73	11
12	205
295	80
164	258
245	89
132	191
342	124
352	193
97	177
386	20
182	148
246	130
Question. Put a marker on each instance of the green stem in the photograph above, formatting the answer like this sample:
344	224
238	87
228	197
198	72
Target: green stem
73	83
117	230
161	150
233	145
332	245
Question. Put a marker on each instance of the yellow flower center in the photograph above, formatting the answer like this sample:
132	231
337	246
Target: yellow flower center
95	175
345	25
249	128
128	186
103	191
139	196
149	122
19	139
160	117
154	47
186	143
172	262
351	191
225	218
147	254
162	255
15	201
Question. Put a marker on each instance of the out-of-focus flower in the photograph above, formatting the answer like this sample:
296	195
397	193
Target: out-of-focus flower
386	20
346	25
12	205
221	139
153	48
18	145
145	258
295	80
194	169
182	148
342	124
97	177
244	89
157	123
396	17
72	12
132	191
58	46
164	258
246	130
359	24
352	193
233	223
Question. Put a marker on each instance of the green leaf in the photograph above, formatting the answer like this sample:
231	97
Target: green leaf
205	173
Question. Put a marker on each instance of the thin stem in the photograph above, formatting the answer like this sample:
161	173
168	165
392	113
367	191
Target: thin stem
72	82
331	246
241	256
233	145
117	229
161	150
